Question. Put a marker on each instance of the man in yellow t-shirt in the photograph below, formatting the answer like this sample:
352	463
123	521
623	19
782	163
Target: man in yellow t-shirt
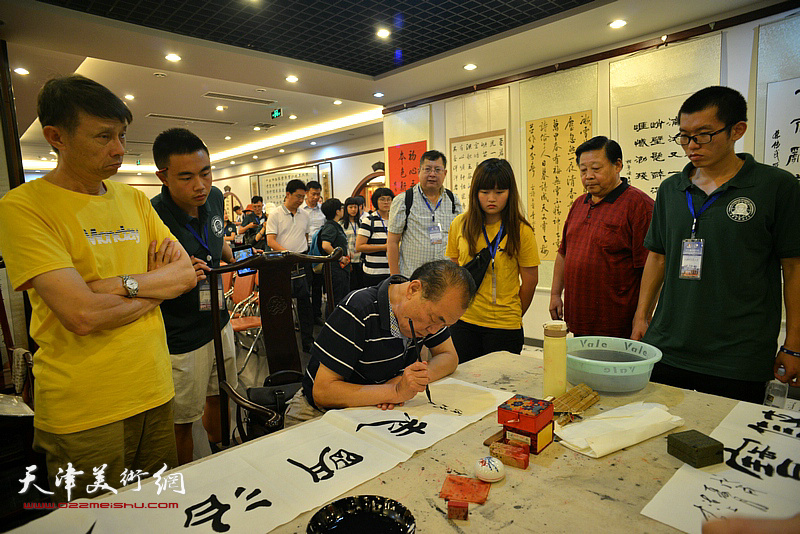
96	261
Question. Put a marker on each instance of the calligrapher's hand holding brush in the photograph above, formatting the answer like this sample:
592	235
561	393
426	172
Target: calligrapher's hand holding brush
419	358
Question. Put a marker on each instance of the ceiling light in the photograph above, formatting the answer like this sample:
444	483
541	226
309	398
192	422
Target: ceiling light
129	97
227	137
378	94
43	158
663	38
281	151
313	142
256	128
213	167
233	163
172	57
292	117
53	153
159	75
337	102
470	66
619	23
138	174
255	157
292	78
383	33
222	108
21	71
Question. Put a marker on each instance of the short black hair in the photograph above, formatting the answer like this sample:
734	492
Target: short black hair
612	149
731	105
437	276
62	99
256	199
294	185
359	199
175	141
378	193
237	208
433	155
330	207
313	184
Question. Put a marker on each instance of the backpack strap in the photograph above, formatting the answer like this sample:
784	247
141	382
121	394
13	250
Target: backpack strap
409	201
452	199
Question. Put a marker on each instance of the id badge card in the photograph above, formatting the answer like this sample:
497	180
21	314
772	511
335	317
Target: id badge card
691	259
205	294
435	233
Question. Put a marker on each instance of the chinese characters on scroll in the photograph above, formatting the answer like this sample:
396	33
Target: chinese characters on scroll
466	153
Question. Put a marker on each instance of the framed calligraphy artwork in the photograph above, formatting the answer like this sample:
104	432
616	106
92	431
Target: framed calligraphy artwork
404	165
466	153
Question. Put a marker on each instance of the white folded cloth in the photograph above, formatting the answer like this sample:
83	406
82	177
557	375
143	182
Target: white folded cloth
618	428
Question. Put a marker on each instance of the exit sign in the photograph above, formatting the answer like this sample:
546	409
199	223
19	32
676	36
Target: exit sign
276	113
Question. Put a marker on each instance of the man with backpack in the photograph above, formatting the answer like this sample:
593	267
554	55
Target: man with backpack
419	219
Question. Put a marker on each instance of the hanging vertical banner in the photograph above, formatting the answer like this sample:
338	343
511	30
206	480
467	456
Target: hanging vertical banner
645	131
466	153
553	176
782	133
404	165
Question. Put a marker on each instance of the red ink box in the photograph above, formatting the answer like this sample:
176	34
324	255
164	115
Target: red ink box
525	413
536	441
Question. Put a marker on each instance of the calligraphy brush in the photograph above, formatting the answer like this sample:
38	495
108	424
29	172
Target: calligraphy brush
419	358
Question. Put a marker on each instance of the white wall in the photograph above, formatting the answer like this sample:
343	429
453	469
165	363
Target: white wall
347	172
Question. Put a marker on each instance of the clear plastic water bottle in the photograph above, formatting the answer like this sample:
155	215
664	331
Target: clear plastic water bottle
776	392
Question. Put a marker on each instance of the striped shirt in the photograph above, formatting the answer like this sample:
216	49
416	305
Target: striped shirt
359	344
351	232
373	227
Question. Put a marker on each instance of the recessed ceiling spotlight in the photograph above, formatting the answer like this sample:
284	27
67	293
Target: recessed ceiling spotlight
213	167
292	117
222	108
227	137
21	71
129	97
256	128
663	38
337	102
619	23
43	158
159	74
53	153
138	174
233	163
383	33
470	66
172	57
281	151
378	94
292	78
313	142
255	157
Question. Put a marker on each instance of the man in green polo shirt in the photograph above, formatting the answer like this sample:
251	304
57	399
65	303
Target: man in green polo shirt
193	211
723	232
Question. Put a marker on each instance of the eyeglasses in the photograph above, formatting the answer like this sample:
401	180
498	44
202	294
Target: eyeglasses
432	170
700	139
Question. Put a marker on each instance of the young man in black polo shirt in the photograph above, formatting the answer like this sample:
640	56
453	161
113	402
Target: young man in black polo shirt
364	354
193	210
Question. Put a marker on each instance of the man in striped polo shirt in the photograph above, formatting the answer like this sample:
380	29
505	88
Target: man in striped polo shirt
365	355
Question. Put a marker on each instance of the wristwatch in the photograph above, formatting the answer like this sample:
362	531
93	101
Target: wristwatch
130	285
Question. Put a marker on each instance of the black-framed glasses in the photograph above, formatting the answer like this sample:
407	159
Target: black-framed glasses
700	139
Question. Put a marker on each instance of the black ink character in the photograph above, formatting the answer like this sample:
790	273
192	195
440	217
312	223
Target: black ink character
321	471
216	509
400	427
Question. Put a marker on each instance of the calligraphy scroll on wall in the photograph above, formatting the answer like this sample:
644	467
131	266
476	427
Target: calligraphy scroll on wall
272	185
404	165
782	139
553	177
645	131
466	153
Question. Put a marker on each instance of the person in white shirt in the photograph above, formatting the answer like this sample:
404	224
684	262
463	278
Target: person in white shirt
288	229
313	208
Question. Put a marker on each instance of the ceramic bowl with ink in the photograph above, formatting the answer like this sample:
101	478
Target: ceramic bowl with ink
362	513
490	469
610	364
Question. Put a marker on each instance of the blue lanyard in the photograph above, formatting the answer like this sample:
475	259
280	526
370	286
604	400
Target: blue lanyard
203	242
495	244
703	208
433	210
